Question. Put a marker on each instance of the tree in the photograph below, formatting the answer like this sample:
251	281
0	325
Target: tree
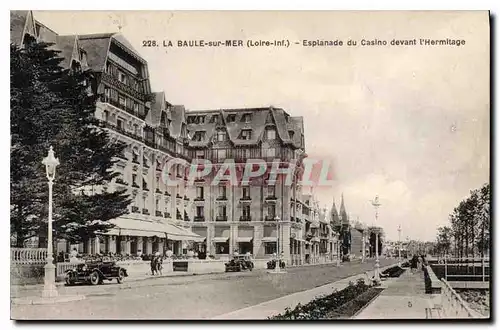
52	106
443	243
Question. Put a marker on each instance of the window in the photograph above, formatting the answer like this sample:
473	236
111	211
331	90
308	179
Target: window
157	204
221	136
222	192
158	182
221	154
291	133
199	192
119	123
122	100
199	211
271	152
271	211
200	154
136	130
271	134
246	211
122	77
246	134
231	118
107	92
246	118
108	67
191	119
199	136
221	211
222	248
246	192
214	119
270	247
136	107
105	115
201	120
271	190
134	178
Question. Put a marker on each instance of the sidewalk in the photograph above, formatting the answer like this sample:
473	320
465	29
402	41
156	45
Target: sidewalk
404	298
276	306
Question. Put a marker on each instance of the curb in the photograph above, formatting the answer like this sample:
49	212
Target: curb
46	301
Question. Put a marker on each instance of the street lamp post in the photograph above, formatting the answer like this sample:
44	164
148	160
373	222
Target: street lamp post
49	289
399	245
278	254
376	204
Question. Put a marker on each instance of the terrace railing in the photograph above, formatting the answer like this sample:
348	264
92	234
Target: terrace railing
453	306
451	265
28	255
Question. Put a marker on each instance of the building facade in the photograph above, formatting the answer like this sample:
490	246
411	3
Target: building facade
260	217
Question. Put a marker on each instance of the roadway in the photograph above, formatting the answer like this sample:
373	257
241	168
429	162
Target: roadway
189	297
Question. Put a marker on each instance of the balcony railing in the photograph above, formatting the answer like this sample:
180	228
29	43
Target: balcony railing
271	199
221	218
245	199
178	196
166	193
135	185
166	215
199	199
145	187
245	218
145	163
158	191
145	211
222	198
126	88
186	198
120	181
135	161
179	216
135	209
199	218
149	143
270	218
186	218
158	213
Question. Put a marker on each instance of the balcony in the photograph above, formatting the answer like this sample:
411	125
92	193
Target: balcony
135	185
158	191
186	198
246	199
179	216
145	211
245	218
221	199
166	193
120	181
145	187
178	196
186	218
145	163
271	199
159	214
150	143
135	209
270	218
221	218
124	87
135	160
166	215
199	218
199	199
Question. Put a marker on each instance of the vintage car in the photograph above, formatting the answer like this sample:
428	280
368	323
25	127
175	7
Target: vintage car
239	263
271	264
95	271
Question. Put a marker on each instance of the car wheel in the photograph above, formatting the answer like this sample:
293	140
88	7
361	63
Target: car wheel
95	278
121	276
68	280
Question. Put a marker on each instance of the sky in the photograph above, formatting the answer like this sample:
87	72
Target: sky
410	124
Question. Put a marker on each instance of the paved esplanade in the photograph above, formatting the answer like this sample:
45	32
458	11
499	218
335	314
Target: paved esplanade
188	297
404	298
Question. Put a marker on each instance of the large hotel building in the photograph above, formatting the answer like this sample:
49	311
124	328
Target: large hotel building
218	219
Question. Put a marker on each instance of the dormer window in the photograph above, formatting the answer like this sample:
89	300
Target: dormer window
246	134
191	119
198	136
246	118
201	120
221	136
271	134
291	133
231	118
214	119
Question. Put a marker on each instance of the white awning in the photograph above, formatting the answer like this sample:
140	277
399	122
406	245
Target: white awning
220	239
269	239
132	227
244	239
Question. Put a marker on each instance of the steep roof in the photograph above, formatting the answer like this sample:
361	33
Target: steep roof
21	22
96	46
334	215
157	107
178	119
283	122
343	213
67	45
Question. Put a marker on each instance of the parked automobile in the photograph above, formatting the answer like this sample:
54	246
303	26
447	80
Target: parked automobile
271	264
95	271
239	263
